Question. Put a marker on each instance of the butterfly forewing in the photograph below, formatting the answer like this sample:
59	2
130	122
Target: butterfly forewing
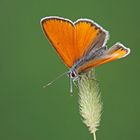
60	34
86	33
71	40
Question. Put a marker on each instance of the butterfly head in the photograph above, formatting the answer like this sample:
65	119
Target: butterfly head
73	74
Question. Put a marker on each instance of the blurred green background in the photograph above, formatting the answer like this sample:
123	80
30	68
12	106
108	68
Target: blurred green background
27	62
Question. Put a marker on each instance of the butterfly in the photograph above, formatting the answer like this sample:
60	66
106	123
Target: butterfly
80	44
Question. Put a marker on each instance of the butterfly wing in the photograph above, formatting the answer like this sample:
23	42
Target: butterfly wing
71	40
60	32
86	34
103	56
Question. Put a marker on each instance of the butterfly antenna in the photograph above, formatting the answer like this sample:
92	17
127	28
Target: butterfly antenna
50	83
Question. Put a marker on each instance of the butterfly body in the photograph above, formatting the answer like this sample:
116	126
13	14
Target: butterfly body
81	44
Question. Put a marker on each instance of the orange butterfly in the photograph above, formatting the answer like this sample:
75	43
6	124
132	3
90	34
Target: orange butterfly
80	44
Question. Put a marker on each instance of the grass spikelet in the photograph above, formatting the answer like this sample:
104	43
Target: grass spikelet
90	101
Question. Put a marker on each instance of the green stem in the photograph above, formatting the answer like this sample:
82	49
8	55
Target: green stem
94	136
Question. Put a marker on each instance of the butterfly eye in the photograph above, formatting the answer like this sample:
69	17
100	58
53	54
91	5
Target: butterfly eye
73	74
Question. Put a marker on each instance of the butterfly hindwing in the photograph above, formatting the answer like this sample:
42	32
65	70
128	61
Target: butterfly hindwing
115	52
